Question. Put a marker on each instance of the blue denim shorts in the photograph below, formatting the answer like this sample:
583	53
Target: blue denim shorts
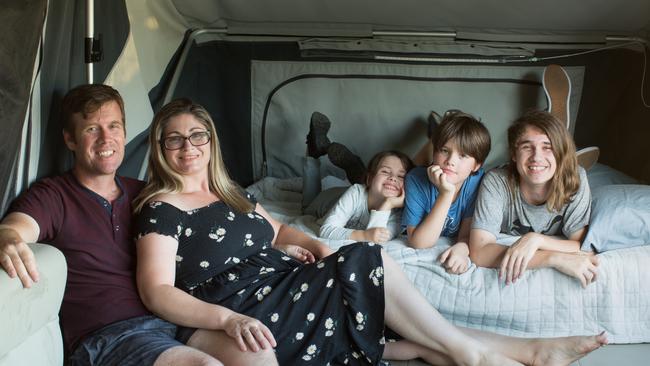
135	341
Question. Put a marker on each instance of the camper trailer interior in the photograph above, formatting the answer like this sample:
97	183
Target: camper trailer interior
376	69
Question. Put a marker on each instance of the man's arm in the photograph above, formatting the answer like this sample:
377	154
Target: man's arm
16	230
484	252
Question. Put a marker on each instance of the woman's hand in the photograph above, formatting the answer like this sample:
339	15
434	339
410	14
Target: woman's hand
246	330
516	258
299	253
438	178
456	258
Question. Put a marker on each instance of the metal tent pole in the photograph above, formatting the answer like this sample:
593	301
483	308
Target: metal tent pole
90	35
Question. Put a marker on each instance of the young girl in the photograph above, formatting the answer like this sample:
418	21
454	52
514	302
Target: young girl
440	197
371	212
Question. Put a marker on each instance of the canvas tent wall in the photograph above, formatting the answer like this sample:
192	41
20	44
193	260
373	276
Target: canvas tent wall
145	40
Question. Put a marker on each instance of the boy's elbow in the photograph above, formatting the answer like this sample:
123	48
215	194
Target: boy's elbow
420	243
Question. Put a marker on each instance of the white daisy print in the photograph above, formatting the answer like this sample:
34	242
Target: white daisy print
250	215
299	335
153	221
310	317
231	216
341	259
306	357
155	204
188	231
320	265
330	282
266	290
204	264
360	327
329	333
275	317
297	296
265	270
218	235
232	277
304	287
179	258
359	317
352	277
329	323
311	349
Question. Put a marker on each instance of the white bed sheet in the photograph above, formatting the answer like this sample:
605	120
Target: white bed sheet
545	303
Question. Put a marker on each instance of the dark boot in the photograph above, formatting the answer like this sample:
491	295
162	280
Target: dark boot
317	141
345	159
433	122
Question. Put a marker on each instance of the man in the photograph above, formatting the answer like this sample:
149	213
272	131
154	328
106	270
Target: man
86	213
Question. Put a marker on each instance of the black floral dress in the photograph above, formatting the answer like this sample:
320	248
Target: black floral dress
328	312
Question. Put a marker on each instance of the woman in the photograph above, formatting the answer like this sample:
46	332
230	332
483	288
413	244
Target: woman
208	258
543	196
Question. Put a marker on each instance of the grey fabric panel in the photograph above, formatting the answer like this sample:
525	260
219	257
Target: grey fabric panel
522	16
21	24
64	68
375	107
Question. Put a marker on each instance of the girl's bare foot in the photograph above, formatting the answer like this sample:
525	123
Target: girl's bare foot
566	350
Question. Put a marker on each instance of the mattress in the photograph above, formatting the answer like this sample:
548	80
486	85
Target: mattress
544	303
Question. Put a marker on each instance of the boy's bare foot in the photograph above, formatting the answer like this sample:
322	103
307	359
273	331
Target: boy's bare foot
566	350
581	265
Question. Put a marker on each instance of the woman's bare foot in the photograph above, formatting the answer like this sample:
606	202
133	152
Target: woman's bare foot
564	351
495	359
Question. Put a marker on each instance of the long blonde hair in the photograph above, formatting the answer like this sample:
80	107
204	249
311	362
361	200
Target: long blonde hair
163	179
566	180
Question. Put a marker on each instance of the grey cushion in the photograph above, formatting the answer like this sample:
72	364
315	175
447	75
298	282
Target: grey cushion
620	217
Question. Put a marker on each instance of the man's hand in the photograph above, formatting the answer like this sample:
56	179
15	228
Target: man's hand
16	257
377	235
249	331
456	258
516	258
299	253
581	266
439	179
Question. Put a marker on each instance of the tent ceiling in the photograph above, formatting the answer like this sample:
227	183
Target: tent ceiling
629	17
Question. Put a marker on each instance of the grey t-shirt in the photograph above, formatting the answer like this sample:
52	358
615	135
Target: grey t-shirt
497	213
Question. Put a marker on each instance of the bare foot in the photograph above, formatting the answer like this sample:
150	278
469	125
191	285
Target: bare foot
566	350
495	359
582	266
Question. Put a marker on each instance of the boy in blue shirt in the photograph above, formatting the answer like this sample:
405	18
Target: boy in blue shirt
440	198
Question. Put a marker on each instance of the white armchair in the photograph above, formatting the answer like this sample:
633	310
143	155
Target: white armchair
29	318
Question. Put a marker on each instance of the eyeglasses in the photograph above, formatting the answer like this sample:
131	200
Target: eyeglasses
177	141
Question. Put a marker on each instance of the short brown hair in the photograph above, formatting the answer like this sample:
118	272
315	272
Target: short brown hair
566	180
469	134
373	165
87	99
